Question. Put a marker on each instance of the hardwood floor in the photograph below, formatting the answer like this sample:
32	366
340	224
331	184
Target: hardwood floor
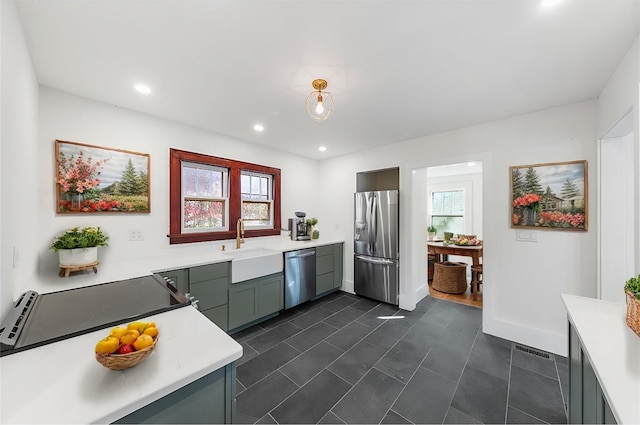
465	298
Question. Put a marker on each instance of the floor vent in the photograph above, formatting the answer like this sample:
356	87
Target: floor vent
532	351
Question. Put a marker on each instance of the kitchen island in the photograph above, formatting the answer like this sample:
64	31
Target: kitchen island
62	383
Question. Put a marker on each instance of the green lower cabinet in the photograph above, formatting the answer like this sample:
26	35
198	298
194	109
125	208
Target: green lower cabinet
208	400
324	283
253	299
271	295
218	315
337	265
328	268
587	402
243	306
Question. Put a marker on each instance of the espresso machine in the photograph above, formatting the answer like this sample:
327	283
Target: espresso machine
299	228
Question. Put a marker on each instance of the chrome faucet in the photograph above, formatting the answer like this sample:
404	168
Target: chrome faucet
239	233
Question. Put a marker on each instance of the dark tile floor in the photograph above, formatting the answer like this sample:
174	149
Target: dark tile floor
347	359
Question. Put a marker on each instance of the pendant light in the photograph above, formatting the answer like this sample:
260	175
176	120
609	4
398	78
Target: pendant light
319	102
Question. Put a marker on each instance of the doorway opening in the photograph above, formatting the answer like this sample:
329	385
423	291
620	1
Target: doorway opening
454	207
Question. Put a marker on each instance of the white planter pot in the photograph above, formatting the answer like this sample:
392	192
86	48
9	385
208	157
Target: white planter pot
431	236
78	256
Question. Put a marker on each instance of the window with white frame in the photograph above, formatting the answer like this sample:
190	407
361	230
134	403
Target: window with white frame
448	211
257	199
205	198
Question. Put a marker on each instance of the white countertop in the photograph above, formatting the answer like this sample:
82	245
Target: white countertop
613	350
176	257
63	383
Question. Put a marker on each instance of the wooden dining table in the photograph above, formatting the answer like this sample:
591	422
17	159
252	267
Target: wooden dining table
441	251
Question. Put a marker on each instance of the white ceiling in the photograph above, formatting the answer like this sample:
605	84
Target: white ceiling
397	69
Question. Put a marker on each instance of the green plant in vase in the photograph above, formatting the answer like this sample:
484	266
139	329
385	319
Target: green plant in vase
633	286
79	246
431	232
312	222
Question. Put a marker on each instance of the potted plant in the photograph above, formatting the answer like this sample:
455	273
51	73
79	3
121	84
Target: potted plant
632	290
431	232
312	231
79	246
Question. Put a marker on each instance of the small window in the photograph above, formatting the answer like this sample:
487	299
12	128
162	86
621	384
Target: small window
205	195
257	200
447	211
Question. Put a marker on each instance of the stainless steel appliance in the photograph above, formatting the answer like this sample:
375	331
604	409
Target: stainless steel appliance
376	245
39	319
299	276
299	228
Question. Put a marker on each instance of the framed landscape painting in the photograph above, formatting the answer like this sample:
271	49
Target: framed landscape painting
91	179
549	196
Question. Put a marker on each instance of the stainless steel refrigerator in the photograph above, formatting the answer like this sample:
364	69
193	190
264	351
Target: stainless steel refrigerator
376	245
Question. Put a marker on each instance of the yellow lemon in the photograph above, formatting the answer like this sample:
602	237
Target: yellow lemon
135	325
143	341
129	337
152	331
107	345
118	332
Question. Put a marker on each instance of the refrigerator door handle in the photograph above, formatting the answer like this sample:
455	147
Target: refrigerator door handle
375	260
373	225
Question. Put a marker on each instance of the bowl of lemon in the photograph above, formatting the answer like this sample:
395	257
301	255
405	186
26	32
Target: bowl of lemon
126	346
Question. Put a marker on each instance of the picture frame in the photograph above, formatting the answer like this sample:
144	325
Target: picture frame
551	196
97	179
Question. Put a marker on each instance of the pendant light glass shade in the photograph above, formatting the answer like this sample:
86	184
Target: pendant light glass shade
319	102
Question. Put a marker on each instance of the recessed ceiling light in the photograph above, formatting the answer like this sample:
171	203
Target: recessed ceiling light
322	148
258	127
142	88
471	164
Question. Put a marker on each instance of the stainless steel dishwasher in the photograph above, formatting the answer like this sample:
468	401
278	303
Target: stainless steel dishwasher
299	276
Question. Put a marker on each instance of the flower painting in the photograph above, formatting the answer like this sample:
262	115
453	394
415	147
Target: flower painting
549	196
92	179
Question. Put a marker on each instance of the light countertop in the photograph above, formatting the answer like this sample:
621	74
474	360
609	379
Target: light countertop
176	257
62	383
613	350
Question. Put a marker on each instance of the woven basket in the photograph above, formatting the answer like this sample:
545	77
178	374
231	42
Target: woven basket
125	361
633	312
450	277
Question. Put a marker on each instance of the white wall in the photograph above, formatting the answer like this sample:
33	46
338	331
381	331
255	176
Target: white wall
620	96
71	118
523	280
18	158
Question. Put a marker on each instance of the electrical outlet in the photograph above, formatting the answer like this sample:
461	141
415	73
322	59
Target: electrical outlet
136	235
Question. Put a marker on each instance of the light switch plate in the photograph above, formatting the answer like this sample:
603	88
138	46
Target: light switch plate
136	235
527	235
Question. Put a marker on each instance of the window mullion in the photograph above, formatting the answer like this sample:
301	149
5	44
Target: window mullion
235	196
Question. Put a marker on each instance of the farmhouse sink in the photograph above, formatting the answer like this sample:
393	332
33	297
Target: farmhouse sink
251	263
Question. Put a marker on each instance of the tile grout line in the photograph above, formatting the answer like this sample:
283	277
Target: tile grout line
506	408
325	368
455	390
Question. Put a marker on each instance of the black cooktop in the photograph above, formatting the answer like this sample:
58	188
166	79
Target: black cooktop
60	315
